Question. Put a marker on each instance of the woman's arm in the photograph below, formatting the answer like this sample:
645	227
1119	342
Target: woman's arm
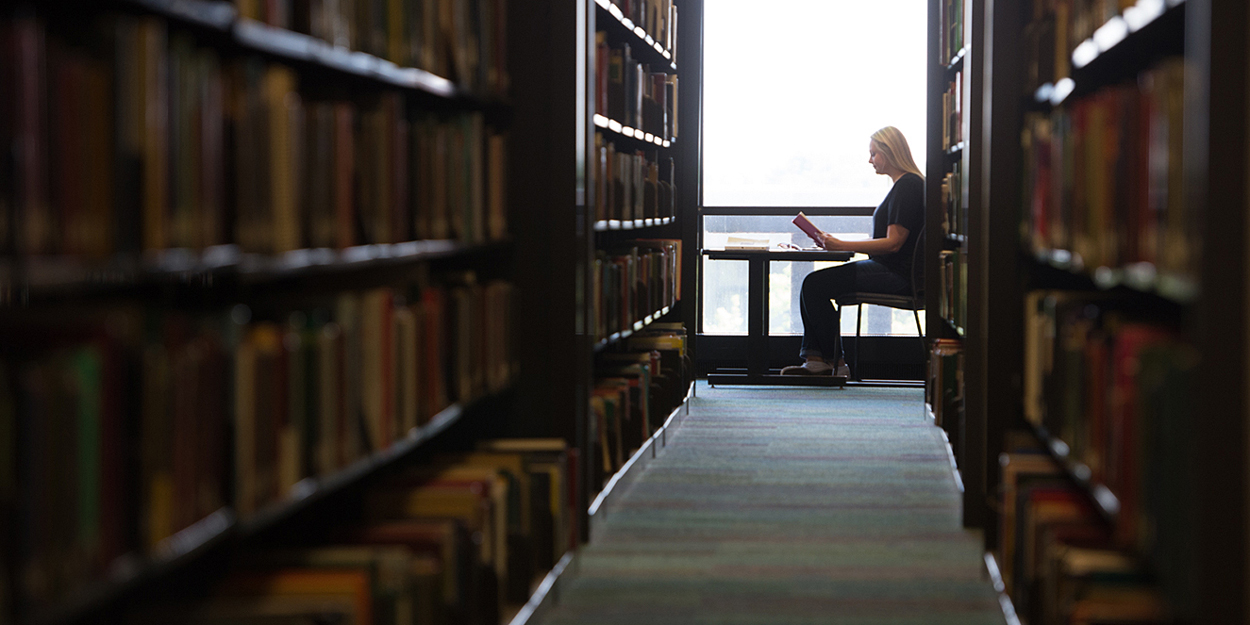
895	236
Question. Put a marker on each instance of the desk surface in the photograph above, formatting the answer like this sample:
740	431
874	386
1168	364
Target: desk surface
777	254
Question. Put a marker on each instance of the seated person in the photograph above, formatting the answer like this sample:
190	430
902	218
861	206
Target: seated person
896	226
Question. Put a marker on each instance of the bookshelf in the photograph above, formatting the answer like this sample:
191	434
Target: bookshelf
599	170
636	114
259	306
954	203
1113	211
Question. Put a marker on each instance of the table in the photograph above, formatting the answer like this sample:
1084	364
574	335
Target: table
757	316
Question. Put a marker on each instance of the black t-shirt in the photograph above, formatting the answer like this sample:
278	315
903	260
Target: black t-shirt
904	205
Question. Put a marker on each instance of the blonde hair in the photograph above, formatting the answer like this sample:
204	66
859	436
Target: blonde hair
893	145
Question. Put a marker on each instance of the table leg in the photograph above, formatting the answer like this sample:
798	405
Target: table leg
757	317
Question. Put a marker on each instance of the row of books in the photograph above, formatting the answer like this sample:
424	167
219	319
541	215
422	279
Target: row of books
457	540
954	211
1115	388
657	17
951	34
1060	563
635	389
154	142
628	91
945	388
631	283
132	425
632	185
463	40
953	112
1055	30
1104	176
953	298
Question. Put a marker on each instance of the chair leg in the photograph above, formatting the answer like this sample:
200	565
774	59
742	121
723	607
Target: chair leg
924	351
859	317
924	359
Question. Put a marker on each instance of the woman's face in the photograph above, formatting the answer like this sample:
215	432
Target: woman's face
879	162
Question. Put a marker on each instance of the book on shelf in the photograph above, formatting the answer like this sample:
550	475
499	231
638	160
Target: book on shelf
1113	386
634	372
631	93
630	186
952	112
1060	562
609	407
664	343
403	584
946	381
462	41
951	34
186	147
1056	30
218	410
953	298
955	213
1103	176
634	282
657	17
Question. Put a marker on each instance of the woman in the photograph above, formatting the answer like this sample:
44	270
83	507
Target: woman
896	226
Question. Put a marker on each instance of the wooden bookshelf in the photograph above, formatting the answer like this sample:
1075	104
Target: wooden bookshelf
30	281
1173	317
223	532
610	17
646	38
612	225
586	210
379	322
953	180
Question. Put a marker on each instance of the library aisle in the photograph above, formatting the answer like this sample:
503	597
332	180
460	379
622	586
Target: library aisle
788	505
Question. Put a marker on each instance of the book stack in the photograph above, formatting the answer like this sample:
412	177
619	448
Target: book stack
656	17
635	388
632	185
955	215
459	540
464	41
1103	176
945	387
953	274
136	138
1060	563
136	423
629	92
1112	387
951	35
635	282
952	112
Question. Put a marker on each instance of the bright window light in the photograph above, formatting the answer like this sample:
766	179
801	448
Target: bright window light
811	80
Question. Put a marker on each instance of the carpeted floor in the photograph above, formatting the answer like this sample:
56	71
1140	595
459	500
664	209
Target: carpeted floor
787	505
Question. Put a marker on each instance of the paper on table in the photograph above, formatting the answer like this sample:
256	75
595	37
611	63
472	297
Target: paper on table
745	243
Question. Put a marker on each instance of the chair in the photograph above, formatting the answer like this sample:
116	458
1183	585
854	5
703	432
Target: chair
914	303
905	302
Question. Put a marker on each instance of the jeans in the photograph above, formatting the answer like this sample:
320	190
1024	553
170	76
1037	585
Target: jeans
822	321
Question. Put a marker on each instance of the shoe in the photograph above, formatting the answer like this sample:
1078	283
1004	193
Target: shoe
811	367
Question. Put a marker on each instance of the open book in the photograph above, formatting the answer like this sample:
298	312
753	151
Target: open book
807	226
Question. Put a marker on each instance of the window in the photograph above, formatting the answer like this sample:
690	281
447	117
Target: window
793	89
725	281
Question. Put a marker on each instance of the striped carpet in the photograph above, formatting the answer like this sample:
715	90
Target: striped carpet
787	505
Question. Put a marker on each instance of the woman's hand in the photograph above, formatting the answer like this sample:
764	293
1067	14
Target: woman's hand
831	243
